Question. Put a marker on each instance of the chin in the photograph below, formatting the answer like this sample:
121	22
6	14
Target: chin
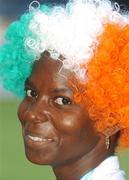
39	158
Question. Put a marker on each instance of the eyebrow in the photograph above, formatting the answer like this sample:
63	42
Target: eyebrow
29	83
56	90
61	90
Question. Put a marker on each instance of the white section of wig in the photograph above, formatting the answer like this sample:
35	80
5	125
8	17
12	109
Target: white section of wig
72	31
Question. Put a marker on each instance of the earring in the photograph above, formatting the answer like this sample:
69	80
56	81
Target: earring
107	142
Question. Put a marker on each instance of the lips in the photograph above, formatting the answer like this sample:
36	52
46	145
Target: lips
39	139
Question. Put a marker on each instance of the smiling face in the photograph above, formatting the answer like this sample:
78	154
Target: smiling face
56	130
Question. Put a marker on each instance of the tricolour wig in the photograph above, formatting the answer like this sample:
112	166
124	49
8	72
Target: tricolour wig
93	38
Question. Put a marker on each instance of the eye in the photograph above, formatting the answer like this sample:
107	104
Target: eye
31	93
63	101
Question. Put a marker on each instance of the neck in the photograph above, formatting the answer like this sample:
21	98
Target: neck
79	167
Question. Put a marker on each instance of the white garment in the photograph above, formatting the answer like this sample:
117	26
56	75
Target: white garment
108	170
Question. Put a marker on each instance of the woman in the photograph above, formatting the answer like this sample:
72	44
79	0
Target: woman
73	61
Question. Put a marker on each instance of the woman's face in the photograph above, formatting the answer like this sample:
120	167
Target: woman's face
56	130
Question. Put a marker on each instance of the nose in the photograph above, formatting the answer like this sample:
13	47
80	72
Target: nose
37	112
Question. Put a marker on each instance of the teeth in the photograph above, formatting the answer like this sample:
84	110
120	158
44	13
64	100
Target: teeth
35	138
39	139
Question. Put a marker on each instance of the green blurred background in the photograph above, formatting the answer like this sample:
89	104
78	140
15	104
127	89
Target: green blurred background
13	163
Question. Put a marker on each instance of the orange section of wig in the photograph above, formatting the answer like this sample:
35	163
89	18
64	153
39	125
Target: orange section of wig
106	93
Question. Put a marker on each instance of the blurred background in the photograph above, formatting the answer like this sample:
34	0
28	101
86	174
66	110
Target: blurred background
13	163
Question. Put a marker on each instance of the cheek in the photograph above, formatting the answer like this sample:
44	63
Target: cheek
71	123
21	111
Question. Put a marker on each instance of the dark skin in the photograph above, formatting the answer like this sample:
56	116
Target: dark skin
56	130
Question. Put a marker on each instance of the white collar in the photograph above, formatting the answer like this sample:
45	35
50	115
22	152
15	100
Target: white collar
107	170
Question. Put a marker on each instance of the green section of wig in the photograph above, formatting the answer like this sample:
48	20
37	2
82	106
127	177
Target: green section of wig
16	60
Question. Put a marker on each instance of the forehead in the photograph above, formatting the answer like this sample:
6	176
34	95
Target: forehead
49	72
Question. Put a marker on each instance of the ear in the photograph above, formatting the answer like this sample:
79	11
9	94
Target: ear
112	130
